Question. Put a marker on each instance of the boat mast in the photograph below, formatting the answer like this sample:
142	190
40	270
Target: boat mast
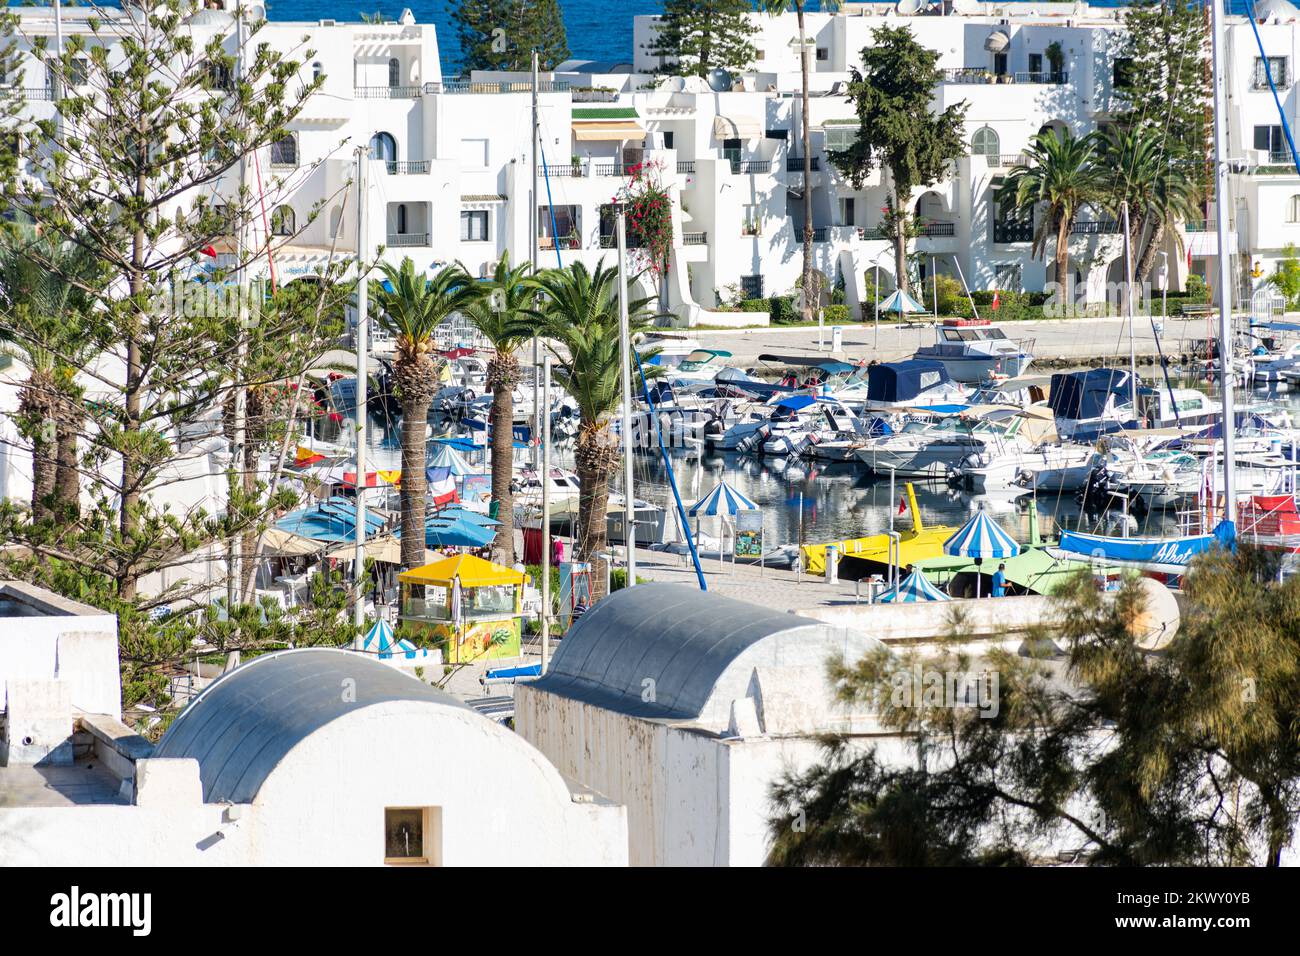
532	240
1222	212
363	320
625	360
1128	307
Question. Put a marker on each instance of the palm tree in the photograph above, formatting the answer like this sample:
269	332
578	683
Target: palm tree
44	290
1062	176
810	286
579	318
412	311
502	322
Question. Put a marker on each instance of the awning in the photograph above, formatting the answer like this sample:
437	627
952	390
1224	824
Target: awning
737	127
608	130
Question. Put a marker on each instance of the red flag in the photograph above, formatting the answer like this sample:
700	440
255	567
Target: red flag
1189	257
209	251
902	505
997	301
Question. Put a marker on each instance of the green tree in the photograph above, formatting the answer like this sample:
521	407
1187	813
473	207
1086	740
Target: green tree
501	316
579	317
412	311
696	37
800	7
1062	176
502	34
1286	279
1182	756
898	131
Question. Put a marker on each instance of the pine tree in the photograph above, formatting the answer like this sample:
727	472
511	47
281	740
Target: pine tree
891	96
696	37
502	34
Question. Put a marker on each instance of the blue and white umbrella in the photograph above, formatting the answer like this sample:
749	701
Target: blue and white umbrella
981	538
381	641
448	457
912	589
722	500
900	302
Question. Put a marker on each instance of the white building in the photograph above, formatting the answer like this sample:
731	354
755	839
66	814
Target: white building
306	757
452	177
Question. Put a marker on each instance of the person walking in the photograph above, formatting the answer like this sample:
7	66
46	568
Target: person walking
1000	581
557	552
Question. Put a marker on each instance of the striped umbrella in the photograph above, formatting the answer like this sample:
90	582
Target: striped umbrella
380	640
900	302
912	589
981	538
722	500
448	457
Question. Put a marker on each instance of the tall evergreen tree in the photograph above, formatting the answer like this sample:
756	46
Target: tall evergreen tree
502	34
898	132
698	36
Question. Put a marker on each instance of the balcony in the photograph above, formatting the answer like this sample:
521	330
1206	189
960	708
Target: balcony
1006	232
685	167
1201	225
1046	77
935	230
794	164
610	241
975	75
417	167
30	93
407	239
465	86
748	167
1004	160
695	238
614	169
1100	227
386	92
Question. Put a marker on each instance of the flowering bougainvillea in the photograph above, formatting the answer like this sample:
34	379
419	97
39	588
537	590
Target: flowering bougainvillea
649	217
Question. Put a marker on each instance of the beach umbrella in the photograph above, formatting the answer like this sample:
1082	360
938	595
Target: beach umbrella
981	538
900	302
448	457
722	500
456	534
912	589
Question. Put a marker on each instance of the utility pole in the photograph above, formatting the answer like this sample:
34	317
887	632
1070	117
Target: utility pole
362	398
533	225
1222	212
546	515
625	359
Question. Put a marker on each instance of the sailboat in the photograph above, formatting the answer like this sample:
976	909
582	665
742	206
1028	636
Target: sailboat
1172	555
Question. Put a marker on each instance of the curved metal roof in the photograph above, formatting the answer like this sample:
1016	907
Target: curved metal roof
681	638
243	724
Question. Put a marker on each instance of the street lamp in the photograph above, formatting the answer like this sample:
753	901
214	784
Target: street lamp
876	263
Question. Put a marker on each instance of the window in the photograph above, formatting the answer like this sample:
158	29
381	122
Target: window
731	149
1272	139
986	143
383	148
753	220
841	137
848	211
413	835
1277	66
751	287
564	229
668	139
1036	65
79	70
284	151
760	55
283	221
1006	275
219	76
823	53
474	225
1293	210
781	134
401	219
394	72
1122	72
317	71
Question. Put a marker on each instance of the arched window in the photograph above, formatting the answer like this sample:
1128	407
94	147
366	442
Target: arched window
383	148
401	219
394	72
283	221
317	71
985	143
1293	210
284	151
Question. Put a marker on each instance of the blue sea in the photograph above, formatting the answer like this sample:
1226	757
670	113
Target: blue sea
597	29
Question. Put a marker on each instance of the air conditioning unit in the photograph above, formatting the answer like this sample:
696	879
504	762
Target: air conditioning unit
329	23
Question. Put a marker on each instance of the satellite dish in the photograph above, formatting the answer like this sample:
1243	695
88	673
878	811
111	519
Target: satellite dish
966	7
719	80
908	8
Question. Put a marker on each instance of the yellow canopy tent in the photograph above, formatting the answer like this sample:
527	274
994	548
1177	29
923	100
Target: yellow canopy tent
476	612
471	571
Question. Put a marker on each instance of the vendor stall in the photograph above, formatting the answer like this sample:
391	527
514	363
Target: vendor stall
473	606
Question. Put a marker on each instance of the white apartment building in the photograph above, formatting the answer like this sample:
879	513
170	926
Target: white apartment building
450	177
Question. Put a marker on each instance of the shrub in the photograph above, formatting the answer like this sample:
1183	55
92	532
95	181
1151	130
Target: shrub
755	305
836	314
784	310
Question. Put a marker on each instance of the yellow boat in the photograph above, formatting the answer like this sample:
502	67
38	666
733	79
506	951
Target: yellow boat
872	555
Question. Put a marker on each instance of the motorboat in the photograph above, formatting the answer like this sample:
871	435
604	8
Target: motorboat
972	350
889	386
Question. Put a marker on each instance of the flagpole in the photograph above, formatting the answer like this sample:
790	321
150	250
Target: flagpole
362	399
